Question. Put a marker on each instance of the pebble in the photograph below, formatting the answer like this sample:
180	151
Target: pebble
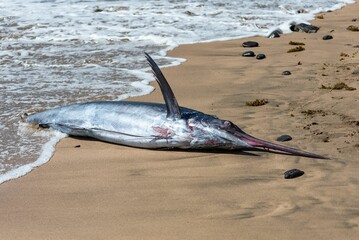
275	34
293	173
284	138
248	54
327	37
261	56
286	73
250	44
304	28
77	146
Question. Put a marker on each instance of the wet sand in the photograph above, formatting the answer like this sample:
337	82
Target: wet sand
106	191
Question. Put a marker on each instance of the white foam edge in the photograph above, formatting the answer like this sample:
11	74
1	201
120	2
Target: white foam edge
47	152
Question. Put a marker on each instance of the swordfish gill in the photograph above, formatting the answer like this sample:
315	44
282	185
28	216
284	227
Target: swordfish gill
153	125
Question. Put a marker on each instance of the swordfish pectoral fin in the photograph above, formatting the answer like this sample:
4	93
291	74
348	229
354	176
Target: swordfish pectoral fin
173	110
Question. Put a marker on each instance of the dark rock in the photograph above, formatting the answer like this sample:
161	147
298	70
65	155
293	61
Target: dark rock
356	46
275	34
302	27
355	72
284	138
302	11
248	54
286	73
260	56
77	146
98	9
293	173
354	20
327	37
250	44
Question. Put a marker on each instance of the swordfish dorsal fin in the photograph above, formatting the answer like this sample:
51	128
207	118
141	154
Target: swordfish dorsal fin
173	110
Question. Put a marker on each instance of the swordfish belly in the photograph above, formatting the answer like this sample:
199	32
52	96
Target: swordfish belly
136	124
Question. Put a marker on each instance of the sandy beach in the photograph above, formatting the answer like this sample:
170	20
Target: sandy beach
106	191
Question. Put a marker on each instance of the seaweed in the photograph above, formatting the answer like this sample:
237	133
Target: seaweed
296	43
257	102
338	86
311	112
320	17
353	28
296	49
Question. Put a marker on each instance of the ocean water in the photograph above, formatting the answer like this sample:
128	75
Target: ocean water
57	52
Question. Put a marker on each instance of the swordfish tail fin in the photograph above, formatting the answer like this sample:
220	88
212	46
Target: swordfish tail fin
173	110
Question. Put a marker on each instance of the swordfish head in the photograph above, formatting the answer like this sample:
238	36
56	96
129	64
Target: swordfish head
211	132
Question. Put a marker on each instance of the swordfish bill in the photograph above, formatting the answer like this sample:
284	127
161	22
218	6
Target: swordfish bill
153	125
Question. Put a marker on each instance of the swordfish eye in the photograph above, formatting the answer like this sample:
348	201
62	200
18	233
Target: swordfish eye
226	124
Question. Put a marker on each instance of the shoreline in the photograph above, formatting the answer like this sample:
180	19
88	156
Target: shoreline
113	188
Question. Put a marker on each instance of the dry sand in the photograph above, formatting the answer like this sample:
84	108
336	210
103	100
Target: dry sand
106	191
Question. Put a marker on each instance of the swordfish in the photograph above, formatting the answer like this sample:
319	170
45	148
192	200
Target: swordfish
153	125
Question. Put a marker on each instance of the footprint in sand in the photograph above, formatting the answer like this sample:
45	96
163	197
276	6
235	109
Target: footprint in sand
285	208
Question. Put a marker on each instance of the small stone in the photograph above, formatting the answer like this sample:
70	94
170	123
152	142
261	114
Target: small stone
275	34
354	20
286	73
260	56
293	173
327	37
250	44
356	72
77	146
284	138
248	54
302	27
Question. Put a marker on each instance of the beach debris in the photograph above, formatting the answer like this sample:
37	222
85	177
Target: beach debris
353	28
286	73
302	27
320	16
299	63
260	56
248	54
338	86
311	112
189	13
327	37
77	146
293	173
296	49
355	72
354	19
275	34
250	44
284	138
257	102
296	43
343	54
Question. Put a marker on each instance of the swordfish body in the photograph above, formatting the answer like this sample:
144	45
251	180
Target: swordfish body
153	125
